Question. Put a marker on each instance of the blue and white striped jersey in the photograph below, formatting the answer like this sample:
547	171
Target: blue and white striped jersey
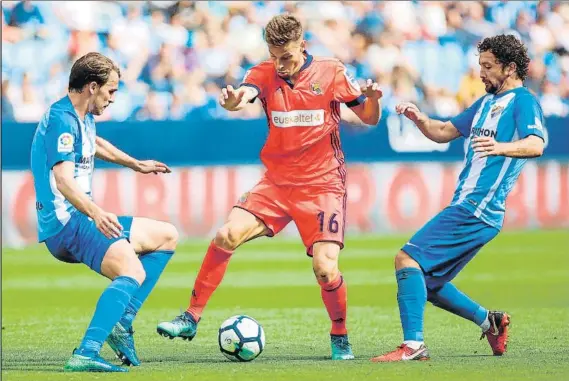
60	136
484	183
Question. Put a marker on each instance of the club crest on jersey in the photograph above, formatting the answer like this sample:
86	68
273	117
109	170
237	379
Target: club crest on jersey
496	110
316	89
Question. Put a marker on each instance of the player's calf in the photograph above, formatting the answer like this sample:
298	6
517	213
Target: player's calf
334	295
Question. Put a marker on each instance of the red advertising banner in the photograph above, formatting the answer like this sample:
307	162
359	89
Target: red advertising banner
382	197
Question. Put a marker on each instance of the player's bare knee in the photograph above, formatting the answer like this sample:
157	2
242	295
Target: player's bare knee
139	275
403	260
327	275
135	271
228	237
325	270
170	237
325	261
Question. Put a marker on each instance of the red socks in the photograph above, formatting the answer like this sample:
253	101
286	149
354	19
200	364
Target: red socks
209	277
214	265
335	297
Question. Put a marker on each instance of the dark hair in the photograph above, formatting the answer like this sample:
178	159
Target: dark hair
282	29
92	67
507	49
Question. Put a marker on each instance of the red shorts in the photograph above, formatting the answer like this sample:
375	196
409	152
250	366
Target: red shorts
319	211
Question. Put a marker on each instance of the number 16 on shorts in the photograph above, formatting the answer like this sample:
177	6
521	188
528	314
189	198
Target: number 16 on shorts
328	223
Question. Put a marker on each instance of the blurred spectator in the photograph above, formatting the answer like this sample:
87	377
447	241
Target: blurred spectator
28	17
440	102
551	101
56	87
9	33
178	109
7	108
176	55
26	13
164	69
154	108
541	36
27	101
475	22
126	31
536	75
471	88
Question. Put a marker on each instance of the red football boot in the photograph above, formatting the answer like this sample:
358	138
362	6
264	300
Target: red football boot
404	353
497	335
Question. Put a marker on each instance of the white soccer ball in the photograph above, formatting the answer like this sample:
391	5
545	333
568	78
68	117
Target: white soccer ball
241	338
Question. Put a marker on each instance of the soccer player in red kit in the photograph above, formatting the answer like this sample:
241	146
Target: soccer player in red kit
305	181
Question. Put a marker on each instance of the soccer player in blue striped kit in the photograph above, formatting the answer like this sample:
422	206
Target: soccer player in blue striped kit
131	251
502	129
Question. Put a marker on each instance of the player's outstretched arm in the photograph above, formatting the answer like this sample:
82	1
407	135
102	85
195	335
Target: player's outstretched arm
525	148
436	130
235	99
107	223
108	152
369	112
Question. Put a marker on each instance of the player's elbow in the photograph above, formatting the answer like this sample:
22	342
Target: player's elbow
538	148
443	134
440	138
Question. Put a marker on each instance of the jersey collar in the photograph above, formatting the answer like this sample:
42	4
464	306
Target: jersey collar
308	61
305	65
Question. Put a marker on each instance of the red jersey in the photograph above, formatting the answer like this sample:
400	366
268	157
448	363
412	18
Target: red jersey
304	141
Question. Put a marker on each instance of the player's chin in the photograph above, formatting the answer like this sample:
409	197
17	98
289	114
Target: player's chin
490	88
99	111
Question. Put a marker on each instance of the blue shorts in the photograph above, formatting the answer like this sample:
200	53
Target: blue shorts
81	242
447	243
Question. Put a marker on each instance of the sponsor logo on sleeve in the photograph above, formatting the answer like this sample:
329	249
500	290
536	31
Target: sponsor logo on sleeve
65	143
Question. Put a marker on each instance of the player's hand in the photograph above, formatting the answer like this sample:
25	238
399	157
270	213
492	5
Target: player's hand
232	99
486	146
151	166
371	90
410	110
108	224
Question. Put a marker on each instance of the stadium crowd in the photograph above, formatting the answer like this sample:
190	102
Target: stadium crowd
176	55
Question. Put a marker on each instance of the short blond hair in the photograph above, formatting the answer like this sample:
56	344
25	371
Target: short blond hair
282	29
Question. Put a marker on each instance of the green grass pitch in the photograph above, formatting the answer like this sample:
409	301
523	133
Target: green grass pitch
47	306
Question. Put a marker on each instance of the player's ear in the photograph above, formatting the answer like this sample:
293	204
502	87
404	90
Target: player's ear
93	87
511	69
303	45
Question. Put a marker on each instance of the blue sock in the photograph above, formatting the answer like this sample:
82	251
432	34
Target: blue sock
110	307
411	297
453	300
153	263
